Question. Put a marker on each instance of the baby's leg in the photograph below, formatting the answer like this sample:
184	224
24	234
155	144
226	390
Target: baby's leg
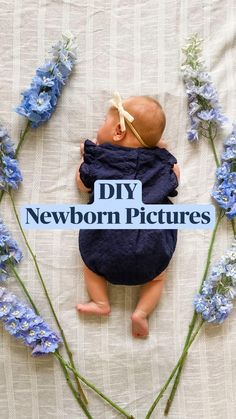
149	296
97	290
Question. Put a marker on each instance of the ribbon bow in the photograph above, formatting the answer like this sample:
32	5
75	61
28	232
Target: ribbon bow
117	102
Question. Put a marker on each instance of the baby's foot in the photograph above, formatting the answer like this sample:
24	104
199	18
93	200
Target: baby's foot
139	324
94	308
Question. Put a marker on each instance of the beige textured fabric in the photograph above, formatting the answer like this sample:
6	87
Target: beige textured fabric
133	47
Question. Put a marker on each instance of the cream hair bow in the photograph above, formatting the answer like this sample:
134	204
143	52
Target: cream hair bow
124	115
117	102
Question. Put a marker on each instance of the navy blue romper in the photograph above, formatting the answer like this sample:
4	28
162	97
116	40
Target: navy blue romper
129	257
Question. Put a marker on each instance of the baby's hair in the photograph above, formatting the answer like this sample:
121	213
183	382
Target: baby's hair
150	131
151	127
152	99
163	116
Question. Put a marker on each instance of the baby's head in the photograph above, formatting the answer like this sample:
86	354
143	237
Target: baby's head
149	122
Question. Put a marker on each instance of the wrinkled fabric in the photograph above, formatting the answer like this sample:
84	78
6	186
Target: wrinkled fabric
135	48
129	257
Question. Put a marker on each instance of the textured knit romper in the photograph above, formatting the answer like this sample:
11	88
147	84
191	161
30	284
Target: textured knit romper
129	257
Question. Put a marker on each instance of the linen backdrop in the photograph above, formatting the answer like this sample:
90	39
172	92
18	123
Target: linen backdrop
133	47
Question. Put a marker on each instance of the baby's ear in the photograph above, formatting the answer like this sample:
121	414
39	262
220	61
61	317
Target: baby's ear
118	134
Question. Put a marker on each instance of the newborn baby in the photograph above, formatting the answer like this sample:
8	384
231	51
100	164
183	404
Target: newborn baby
128	146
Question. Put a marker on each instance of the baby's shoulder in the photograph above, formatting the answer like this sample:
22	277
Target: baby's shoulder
166	156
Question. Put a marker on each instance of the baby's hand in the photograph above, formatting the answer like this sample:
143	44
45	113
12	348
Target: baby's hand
82	147
176	170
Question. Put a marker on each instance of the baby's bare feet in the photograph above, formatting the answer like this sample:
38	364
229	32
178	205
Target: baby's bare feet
94	308
139	324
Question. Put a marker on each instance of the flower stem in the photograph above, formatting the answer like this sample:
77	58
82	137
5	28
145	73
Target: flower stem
233	227
119	409
48	298
1	194
24	288
211	138
194	318
184	354
81	403
68	380
220	215
22	137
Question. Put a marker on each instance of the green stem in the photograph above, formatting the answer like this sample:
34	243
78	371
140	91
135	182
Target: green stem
81	403
194	318
175	385
220	215
22	137
119	409
233	227
68	380
184	354
211	138
1	194
48	298
24	288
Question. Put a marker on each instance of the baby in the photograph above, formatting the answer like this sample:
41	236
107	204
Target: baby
124	149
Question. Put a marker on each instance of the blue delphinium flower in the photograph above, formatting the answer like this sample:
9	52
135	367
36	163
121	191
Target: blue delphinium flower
22	322
10	253
39	101
10	175
214	302
202	96
224	189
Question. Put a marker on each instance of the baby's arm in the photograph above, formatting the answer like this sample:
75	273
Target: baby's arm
176	170
163	144
79	182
